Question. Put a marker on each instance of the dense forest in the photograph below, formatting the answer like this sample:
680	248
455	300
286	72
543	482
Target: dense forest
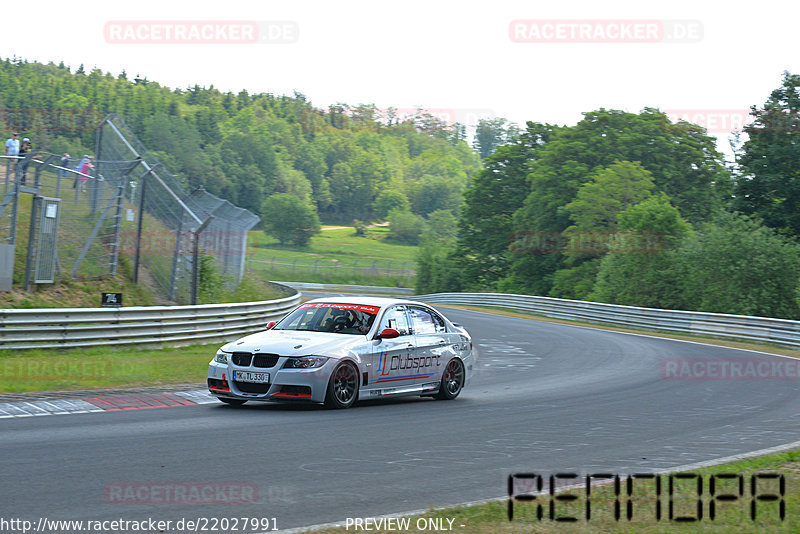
345	162
626	208
633	209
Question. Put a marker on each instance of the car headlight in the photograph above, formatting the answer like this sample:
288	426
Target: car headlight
221	357
305	362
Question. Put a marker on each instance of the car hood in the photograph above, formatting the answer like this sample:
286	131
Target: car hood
295	343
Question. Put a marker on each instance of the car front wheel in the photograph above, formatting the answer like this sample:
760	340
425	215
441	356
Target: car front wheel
452	380
343	386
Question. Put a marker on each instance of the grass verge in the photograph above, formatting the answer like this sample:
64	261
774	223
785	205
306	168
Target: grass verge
102	367
336	256
733	515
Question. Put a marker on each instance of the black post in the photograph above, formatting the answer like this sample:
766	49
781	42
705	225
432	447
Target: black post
117	229
139	229
196	259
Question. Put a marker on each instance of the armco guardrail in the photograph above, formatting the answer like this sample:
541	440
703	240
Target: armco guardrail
758	329
348	288
86	327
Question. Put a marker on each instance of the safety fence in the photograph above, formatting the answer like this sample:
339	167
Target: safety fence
174	229
757	329
128	206
175	325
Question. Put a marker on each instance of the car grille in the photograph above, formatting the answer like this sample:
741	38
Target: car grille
248	387
242	358
265	360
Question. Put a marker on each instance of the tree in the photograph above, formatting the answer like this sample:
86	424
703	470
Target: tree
289	219
389	200
485	219
599	201
434	193
737	265
492	133
769	186
643	267
442	227
681	157
437	271
405	226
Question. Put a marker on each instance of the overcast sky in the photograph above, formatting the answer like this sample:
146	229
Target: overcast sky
458	59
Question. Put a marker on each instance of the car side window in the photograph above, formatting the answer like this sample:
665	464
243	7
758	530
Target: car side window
395	317
425	322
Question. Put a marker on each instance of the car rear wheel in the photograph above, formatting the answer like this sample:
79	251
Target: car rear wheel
452	380
343	386
232	402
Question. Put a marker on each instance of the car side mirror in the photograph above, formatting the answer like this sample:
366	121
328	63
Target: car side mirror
388	333
271	325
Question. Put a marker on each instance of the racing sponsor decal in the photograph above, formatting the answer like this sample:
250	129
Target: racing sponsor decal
397	363
372	310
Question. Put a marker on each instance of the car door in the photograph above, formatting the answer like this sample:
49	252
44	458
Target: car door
392	357
433	343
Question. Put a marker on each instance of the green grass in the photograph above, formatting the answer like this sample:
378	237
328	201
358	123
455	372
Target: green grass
102	367
336	257
734	516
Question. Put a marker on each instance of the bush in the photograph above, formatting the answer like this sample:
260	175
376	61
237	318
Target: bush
360	228
289	219
405	227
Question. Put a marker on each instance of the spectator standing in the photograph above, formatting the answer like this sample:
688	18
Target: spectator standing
12	149
86	169
78	168
23	152
62	173
12	145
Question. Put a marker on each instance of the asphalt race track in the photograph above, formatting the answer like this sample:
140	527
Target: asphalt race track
546	398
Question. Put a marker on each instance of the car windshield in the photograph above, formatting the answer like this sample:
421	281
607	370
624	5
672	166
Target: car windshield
330	317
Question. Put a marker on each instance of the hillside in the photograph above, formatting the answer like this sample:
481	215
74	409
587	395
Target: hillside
349	162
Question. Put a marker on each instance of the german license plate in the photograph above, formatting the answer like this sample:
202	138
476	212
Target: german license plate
250	376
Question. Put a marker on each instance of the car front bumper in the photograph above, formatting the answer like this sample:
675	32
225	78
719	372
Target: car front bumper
286	385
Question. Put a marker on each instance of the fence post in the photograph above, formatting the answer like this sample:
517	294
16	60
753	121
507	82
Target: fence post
117	229
8	173
139	222
38	176
196	259
175	254
12	233
31	239
96	187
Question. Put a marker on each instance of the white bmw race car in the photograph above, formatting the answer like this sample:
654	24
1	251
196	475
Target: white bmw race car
337	350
